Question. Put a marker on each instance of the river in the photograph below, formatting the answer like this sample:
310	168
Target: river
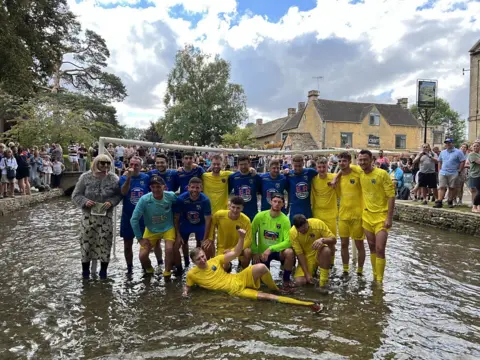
429	307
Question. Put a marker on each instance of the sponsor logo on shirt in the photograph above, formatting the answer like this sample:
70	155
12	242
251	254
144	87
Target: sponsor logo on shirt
245	193
301	190
135	195
279	226
270	235
269	194
158	219
193	217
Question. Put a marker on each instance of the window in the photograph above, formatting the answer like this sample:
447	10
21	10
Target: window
400	141
437	137
346	138
374	119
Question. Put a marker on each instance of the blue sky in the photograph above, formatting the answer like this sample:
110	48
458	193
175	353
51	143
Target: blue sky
366	50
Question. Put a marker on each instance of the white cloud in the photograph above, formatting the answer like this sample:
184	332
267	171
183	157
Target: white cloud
273	59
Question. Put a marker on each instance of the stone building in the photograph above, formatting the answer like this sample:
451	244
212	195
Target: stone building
474	104
330	123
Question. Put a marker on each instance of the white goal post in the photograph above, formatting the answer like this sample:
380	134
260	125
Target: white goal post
103	141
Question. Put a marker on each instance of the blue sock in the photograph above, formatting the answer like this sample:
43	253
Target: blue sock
130	268
160	261
187	260
286	275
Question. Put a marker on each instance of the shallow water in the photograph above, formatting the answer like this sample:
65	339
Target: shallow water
429	307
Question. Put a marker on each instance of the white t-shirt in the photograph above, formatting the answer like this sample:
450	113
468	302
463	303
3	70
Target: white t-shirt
119	150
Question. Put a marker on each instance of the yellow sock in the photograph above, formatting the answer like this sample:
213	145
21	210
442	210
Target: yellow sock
287	300
267	280
323	276
346	267
332	261
380	266
373	260
359	270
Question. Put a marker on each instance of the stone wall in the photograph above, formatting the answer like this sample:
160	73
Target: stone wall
9	205
445	219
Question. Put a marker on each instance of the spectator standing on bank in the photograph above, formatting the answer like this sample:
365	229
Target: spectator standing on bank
474	159
47	169
23	171
82	157
57	169
73	155
8	167
427	177
57	152
382	159
451	162
120	152
463	176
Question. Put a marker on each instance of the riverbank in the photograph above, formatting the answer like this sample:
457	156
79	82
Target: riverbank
458	219
9	205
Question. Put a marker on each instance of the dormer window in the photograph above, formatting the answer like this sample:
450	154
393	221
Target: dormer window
374	119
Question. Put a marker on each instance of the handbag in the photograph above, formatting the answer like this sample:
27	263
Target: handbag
10	171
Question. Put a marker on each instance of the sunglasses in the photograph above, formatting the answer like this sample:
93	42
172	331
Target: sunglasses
103	163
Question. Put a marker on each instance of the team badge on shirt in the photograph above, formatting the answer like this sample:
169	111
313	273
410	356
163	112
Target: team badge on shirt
305	177
301	190
214	267
245	193
224	181
374	181
279	226
312	236
199	207
251	181
277	185
352	181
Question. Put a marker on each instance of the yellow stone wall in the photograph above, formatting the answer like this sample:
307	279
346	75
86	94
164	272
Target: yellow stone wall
311	123
259	142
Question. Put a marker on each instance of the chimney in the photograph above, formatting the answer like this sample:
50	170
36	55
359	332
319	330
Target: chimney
313	95
403	102
291	111
301	105
259	121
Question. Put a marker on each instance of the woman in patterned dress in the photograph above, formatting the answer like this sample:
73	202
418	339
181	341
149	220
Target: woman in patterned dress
97	186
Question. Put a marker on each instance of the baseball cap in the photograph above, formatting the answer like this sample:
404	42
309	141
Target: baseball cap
155	179
448	140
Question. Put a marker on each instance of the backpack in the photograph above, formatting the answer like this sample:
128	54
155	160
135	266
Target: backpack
403	193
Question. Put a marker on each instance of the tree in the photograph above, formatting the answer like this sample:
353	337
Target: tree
81	68
242	137
134	133
31	36
444	115
152	134
201	104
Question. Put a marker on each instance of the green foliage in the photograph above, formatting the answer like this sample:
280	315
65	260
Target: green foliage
242	137
444	115
152	134
133	133
31	37
47	119
201	104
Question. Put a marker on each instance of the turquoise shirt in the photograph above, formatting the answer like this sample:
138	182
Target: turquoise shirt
157	214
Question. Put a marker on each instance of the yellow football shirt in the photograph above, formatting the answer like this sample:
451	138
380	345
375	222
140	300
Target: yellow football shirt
213	277
324	198
351	198
302	243
216	189
227	235
377	188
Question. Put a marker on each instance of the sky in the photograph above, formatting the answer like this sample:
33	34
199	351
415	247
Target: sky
364	50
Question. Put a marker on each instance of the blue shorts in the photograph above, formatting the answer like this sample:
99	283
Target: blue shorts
126	231
199	232
272	256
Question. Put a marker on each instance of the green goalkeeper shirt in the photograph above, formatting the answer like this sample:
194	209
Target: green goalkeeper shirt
270	233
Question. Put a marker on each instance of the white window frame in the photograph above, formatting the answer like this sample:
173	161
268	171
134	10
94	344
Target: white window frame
376	119
405	139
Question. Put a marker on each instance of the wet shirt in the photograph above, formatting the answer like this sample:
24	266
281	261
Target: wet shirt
302	243
270	186
216	189
299	188
324	198
377	188
246	186
192	212
270	233
169	176
213	277
185	176
139	186
157	214
227	235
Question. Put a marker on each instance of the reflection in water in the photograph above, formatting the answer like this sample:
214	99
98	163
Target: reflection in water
428	307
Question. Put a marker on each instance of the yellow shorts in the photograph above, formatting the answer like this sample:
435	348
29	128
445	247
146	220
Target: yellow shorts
351	229
153	238
331	223
374	222
245	285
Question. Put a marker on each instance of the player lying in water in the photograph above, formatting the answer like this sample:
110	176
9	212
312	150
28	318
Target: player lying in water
210	274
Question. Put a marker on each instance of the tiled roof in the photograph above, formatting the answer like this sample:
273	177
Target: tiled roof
302	141
269	128
294	121
331	110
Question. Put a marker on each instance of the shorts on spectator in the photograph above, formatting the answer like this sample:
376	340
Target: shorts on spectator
448	181
427	180
73	159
